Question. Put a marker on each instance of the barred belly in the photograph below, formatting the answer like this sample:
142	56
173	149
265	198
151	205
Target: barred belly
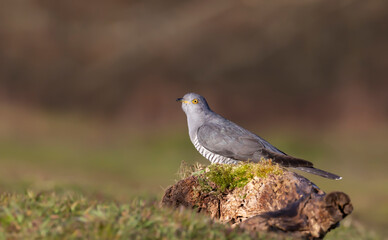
212	157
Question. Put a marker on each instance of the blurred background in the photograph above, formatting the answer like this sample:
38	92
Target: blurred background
88	89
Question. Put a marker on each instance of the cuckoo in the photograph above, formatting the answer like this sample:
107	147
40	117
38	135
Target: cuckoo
222	141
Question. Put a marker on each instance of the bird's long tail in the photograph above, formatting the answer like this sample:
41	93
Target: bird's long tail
288	161
320	172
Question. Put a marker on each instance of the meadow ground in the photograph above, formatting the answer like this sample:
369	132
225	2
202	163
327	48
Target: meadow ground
111	168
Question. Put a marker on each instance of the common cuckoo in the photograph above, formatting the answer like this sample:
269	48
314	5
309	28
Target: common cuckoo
222	141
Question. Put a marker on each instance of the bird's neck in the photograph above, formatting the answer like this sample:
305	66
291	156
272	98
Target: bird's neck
194	122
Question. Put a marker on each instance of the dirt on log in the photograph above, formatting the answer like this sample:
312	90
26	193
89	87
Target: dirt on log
286	204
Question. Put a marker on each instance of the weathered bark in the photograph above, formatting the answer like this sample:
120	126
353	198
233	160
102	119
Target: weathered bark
286	204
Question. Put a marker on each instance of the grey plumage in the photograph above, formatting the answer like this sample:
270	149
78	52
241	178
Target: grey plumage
222	141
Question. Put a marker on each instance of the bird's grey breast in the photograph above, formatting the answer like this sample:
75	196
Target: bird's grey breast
195	121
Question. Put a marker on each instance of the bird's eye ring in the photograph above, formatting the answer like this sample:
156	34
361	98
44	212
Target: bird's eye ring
195	101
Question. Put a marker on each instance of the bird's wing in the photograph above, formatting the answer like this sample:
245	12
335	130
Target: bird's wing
233	142
228	141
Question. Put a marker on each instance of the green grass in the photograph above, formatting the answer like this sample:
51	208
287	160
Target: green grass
51	215
352	230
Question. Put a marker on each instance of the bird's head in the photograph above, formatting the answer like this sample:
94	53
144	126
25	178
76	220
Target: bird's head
193	104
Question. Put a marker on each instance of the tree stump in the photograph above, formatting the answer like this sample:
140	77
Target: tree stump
285	204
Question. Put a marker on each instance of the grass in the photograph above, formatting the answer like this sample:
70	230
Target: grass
50	215
352	230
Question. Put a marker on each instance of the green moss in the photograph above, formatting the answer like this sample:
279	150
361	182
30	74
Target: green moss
228	176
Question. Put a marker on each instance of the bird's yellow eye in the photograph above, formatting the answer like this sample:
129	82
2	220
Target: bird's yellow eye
195	101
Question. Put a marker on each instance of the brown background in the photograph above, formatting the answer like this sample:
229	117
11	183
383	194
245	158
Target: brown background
88	89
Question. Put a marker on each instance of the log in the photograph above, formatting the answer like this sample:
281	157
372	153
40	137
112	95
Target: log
286	204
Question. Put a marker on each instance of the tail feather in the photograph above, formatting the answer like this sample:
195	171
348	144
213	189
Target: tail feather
285	160
320	172
288	161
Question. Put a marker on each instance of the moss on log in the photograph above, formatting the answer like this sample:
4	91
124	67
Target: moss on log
286	204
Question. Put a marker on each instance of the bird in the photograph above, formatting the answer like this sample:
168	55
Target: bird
222	141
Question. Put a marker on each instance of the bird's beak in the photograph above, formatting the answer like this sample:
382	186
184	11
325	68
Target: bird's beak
181	100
